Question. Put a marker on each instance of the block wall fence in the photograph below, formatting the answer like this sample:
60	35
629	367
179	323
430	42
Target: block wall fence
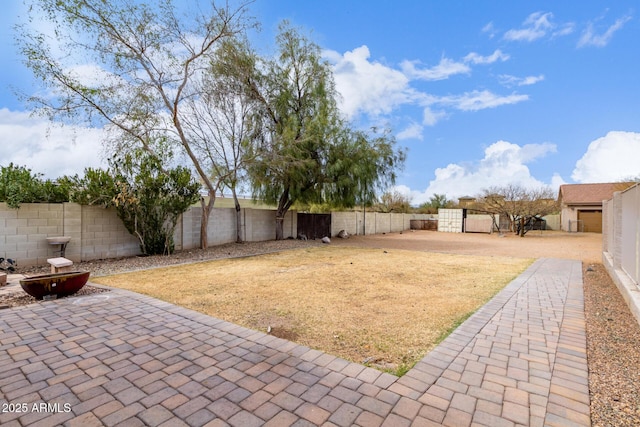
98	233
621	244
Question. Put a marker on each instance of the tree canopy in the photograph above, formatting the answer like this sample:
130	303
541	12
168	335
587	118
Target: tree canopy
130	66
437	201
188	78
303	150
519	204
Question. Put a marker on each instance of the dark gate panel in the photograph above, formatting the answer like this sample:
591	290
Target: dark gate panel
314	226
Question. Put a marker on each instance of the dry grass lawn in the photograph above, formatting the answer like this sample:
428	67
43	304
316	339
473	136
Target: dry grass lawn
385	308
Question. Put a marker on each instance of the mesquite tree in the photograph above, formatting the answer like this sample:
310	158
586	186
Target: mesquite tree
519	204
131	67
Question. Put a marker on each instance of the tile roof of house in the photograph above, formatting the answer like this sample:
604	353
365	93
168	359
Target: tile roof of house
589	194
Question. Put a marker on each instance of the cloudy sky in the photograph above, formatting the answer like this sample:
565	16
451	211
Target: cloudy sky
480	94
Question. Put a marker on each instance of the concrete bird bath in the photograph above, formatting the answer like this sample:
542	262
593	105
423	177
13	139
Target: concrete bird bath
59	240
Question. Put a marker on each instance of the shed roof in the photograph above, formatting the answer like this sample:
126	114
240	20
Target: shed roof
589	194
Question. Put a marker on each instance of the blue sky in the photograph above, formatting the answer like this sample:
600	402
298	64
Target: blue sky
481	93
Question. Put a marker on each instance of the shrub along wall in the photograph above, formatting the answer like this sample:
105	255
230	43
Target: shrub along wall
98	233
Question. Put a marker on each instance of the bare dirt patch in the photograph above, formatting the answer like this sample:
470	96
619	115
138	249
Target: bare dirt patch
586	247
386	307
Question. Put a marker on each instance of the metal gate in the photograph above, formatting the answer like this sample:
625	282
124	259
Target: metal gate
314	226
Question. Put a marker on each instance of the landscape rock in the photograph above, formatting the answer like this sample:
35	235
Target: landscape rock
325	239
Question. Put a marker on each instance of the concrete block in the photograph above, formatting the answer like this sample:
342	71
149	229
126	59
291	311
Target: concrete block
60	264
24	245
27	231
50	230
37	222
6	212
94	228
16	222
50	214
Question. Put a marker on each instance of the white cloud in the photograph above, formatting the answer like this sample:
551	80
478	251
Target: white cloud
590	38
557	181
565	29
476	58
613	157
51	150
445	69
367	86
489	29
539	25
510	81
480	100
413	131
536	26
376	89
503	163
430	117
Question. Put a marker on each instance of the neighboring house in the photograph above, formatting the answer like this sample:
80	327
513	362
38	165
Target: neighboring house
581	205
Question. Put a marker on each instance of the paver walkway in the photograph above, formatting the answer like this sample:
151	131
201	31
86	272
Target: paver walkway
120	358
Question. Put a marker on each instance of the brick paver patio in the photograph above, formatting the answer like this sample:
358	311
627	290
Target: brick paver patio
121	358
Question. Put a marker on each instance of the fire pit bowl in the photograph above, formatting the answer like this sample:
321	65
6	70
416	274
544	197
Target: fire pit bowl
58	284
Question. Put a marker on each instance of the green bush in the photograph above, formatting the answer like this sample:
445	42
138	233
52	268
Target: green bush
19	185
148	198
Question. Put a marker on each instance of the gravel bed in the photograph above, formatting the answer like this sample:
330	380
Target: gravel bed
105	267
613	334
19	298
613	352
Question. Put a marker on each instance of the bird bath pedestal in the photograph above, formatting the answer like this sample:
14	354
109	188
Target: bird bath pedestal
59	240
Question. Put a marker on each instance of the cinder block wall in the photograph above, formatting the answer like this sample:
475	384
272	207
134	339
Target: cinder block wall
396	222
261	225
621	244
383	223
104	235
376	222
23	231
347	221
98	233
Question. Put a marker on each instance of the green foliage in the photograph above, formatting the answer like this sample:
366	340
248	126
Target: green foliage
19	185
147	198
437	201
360	165
298	117
150	200
97	187
303	151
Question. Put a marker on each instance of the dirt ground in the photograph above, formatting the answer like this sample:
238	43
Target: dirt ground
383	307
586	247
